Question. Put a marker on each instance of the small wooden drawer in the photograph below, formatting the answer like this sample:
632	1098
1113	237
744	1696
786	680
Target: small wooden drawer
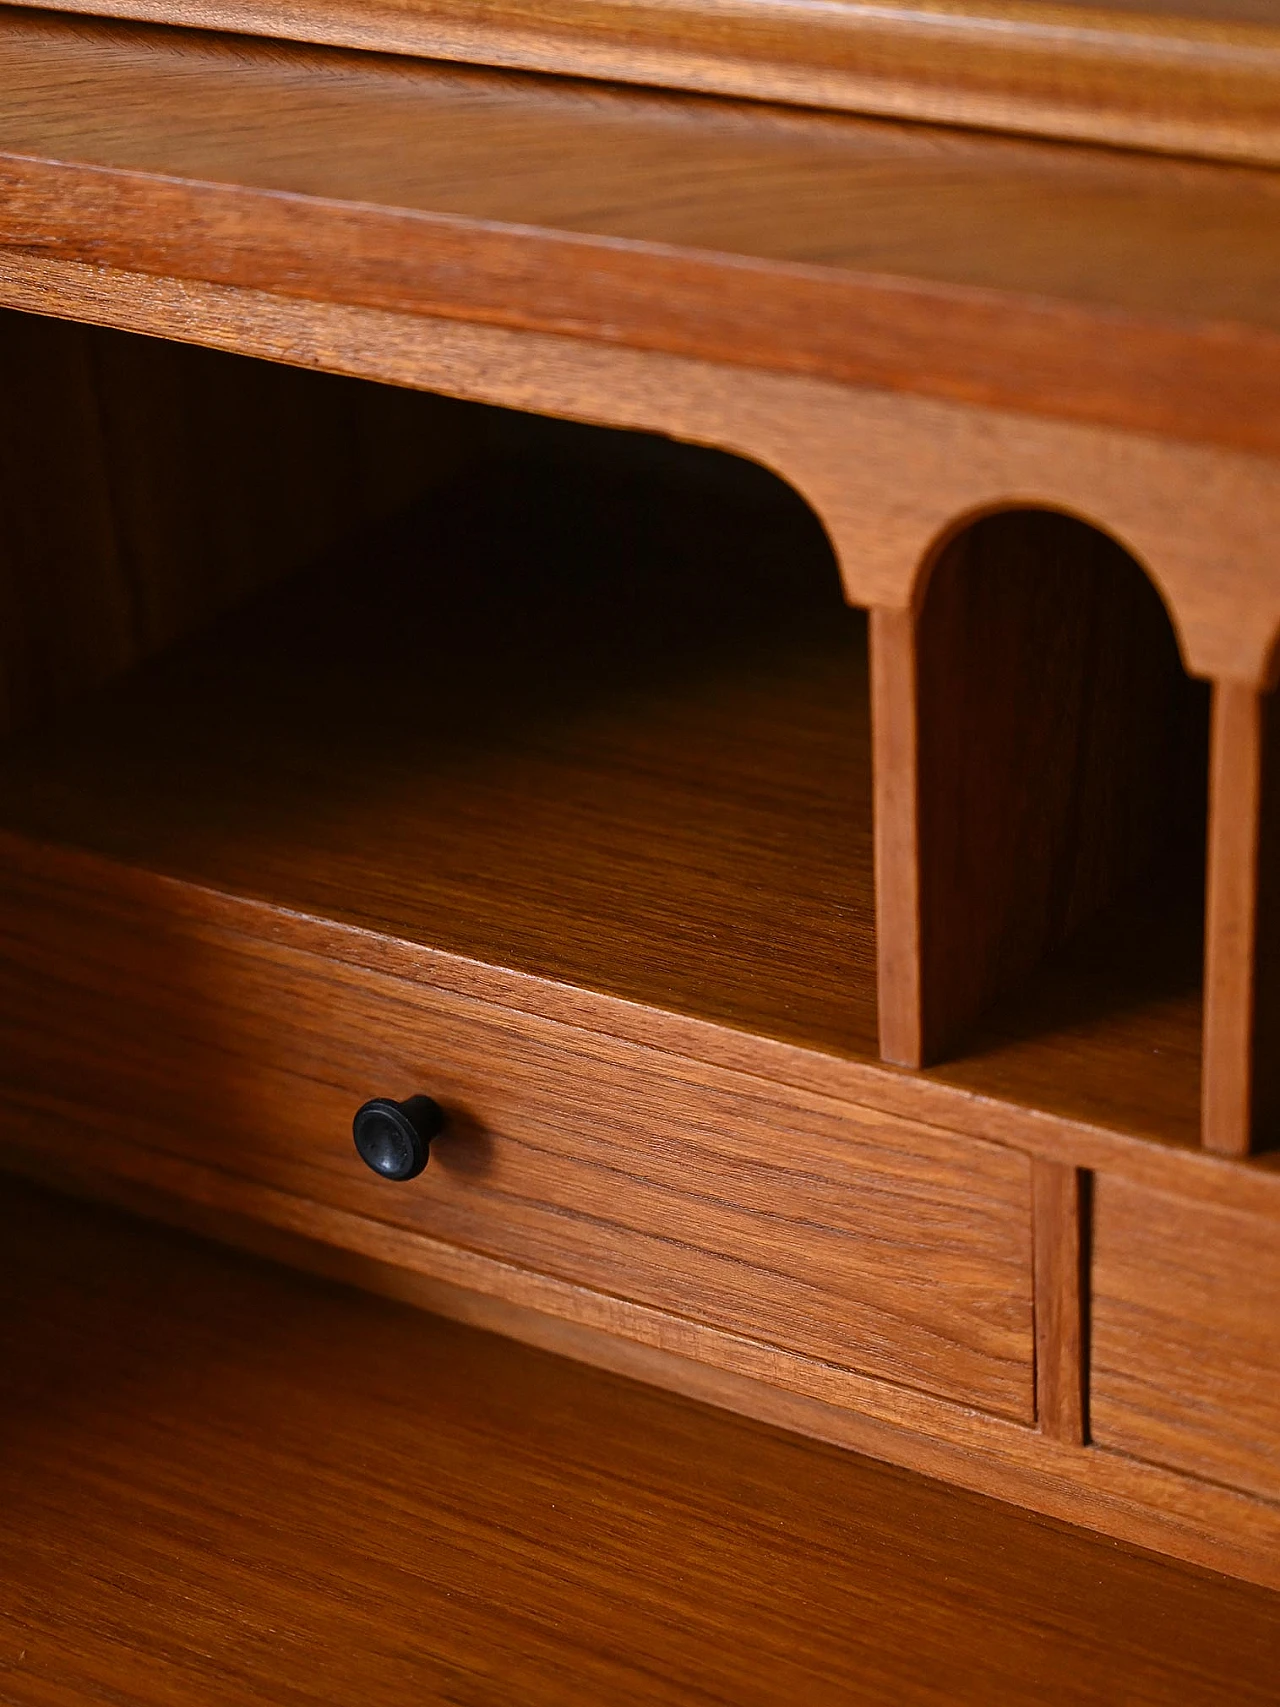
854	1238
1186	1336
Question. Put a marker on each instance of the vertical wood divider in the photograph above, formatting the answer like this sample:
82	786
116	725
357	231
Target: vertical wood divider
895	758
1059	1208
1241	1072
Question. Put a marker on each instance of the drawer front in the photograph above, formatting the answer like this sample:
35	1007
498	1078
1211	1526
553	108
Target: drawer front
829	1230
1185	1336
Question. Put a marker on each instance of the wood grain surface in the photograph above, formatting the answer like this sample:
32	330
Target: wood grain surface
1081	285
1058	750
857	1240
1138	1503
1234	879
1185	1337
224	1481
1242	1014
1188	76
1062	1222
1108	1029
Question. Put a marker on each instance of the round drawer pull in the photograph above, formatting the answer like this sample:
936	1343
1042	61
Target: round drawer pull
393	1138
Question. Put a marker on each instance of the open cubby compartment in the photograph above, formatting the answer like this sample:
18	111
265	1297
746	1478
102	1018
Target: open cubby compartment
1042	828
581	704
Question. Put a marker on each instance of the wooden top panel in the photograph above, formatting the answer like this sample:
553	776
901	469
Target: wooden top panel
752	182
1188	76
224	1481
1079	283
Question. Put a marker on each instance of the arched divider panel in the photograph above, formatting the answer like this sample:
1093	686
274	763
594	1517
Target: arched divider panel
1037	751
882	471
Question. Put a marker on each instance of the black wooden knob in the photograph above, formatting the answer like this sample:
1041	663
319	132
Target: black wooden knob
394	1137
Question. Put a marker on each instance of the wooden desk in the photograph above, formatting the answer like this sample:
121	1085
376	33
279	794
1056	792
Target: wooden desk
862	1022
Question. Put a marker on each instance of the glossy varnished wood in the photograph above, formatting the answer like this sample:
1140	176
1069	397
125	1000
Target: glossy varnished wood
1185	1340
1188	76
1062	1221
857	1241
1242	1062
221	1479
1075	284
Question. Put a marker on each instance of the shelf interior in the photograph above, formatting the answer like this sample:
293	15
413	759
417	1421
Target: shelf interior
1063	798
594	710
1108	1030
601	721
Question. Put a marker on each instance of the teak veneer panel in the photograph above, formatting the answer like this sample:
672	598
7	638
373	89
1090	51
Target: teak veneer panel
222	1479
859	1240
890	475
1188	76
1185	1336
1082	285
1242	1057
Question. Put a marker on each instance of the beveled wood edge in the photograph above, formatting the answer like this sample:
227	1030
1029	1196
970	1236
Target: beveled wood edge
1134	1502
1252	1184
1079	74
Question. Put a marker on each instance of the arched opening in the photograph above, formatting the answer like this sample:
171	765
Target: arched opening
1062	767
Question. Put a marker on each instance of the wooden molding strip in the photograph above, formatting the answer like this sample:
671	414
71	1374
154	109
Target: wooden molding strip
1202	80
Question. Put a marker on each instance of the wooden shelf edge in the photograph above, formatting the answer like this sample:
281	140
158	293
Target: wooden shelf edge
1079	73
1197	370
